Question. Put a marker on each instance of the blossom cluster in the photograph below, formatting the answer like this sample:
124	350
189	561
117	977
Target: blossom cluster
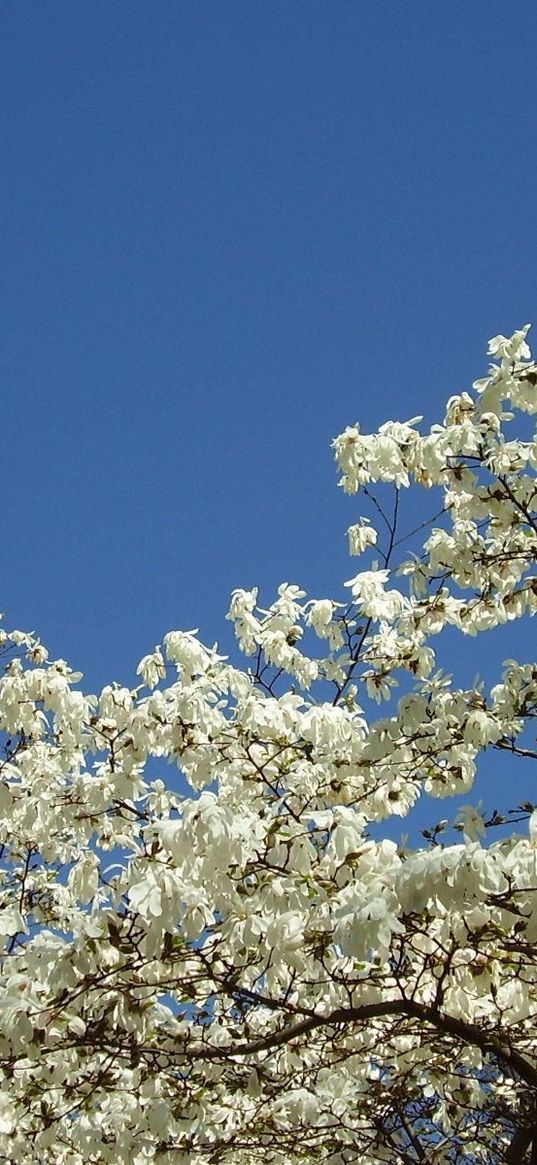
227	961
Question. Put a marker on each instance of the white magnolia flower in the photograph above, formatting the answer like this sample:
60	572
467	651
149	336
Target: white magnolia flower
256	968
361	535
152	668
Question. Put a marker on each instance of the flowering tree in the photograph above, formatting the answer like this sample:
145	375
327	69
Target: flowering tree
235	966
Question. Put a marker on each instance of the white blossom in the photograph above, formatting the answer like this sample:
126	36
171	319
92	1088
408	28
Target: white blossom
211	949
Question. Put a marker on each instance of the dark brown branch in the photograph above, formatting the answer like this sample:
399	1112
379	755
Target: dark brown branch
468	1033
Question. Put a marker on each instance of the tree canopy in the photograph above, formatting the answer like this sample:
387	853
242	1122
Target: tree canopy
213	949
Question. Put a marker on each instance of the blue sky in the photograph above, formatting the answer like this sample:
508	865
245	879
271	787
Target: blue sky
229	230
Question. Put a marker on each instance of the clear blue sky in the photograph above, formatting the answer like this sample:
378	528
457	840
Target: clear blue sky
230	229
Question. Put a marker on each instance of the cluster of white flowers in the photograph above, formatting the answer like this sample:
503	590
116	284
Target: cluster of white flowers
231	964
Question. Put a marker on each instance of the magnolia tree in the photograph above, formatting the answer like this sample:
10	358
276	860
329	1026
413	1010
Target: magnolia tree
235	965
